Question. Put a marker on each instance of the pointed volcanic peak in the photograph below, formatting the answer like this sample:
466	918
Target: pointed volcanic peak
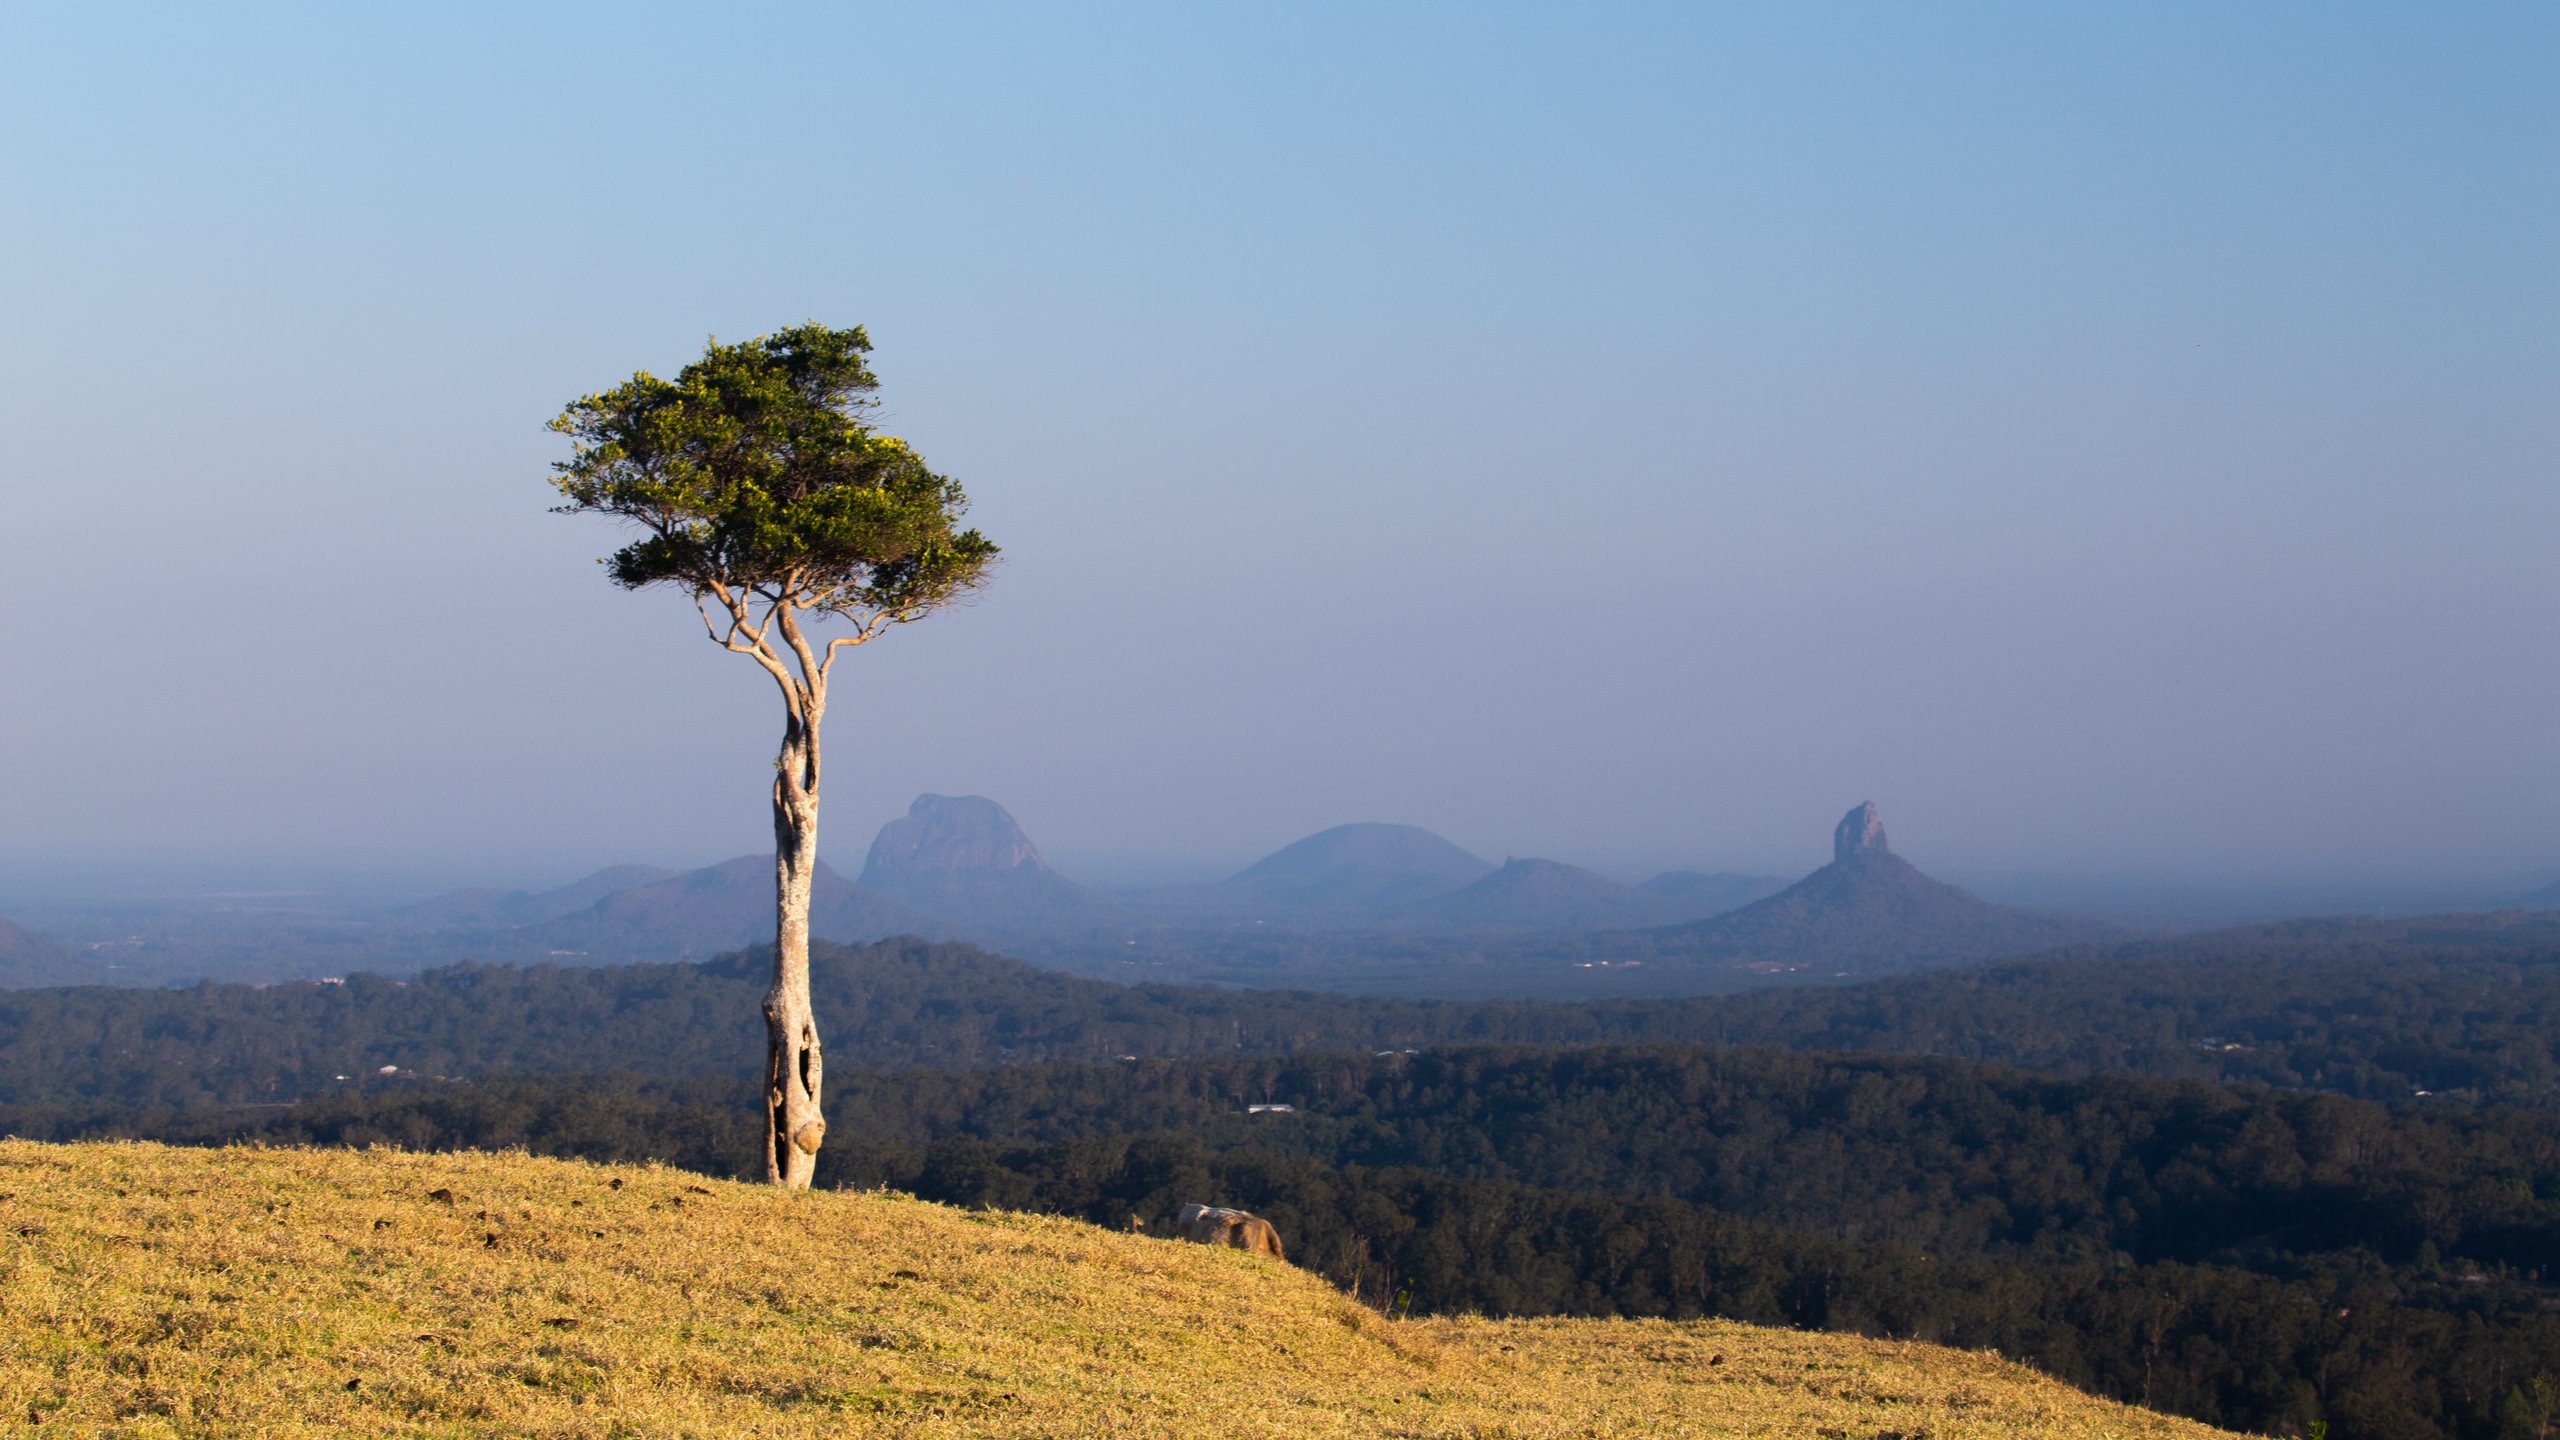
1859	836
28	961
1869	912
697	914
1543	895
962	858
1357	867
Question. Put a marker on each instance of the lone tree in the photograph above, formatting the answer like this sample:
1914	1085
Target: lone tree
758	486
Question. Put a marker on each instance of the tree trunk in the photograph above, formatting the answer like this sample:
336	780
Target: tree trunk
795	1068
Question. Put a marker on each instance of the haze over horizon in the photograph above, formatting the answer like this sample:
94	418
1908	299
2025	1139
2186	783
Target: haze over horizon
2116	444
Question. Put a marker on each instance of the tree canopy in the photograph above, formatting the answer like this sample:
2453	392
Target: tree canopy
756	475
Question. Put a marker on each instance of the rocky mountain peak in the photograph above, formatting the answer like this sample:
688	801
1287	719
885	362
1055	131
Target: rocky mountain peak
946	833
1860	836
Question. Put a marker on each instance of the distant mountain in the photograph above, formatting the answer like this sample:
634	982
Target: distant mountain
1869	912
1696	896
701	913
2548	897
28	960
963	859
1357	867
499	909
1542	895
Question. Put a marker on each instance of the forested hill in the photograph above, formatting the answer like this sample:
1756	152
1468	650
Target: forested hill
2464	1006
893	1004
2457	1006
1950	1157
1947	1157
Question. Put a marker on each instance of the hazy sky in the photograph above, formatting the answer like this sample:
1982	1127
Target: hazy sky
2114	439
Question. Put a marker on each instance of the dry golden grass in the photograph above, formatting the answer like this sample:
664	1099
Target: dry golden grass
156	1291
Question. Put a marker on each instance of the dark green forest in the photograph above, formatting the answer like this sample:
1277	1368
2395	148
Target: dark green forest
2199	1175
1951	1159
2465	1008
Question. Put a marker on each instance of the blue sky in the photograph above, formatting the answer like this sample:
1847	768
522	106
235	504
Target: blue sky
2115	440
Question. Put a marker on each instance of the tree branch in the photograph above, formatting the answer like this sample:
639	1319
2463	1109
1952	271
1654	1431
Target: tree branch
810	670
794	698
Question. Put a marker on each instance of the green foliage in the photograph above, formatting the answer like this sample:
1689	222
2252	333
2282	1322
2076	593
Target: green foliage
2392	1356
1948	1157
896	1003
2375	1020
754	470
1956	1160
2467	1008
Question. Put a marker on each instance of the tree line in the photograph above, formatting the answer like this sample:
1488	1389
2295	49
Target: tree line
1948	1157
2369	1009
1951	1159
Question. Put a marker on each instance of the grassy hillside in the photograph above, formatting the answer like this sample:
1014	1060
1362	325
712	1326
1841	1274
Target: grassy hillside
154	1291
2251	1260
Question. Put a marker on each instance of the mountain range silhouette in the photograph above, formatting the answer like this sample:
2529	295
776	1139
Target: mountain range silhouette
1329	910
960	867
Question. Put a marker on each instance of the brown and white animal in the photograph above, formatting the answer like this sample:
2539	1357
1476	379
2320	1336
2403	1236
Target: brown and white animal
1216	1225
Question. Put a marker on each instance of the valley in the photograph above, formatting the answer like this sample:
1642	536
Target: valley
2190	1171
2217	1140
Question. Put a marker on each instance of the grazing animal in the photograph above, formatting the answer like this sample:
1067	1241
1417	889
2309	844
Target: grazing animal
1216	1225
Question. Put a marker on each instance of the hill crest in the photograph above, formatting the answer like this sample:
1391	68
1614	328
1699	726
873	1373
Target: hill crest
1544	895
403	1294
1364	866
719	908
505	908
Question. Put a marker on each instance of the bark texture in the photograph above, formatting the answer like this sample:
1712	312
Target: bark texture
795	1065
